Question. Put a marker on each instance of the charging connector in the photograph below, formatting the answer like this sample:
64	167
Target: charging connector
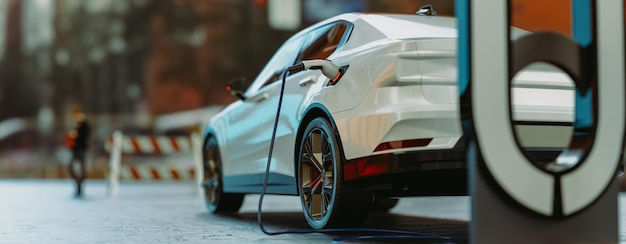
328	68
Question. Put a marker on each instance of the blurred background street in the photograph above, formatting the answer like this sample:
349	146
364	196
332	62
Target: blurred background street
139	66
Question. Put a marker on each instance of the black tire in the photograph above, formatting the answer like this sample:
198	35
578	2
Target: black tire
215	199
326	200
383	204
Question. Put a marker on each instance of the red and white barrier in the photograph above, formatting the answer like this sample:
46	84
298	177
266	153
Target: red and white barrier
143	144
156	173
151	145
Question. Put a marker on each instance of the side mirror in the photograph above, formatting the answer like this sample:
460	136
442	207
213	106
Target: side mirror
426	10
237	87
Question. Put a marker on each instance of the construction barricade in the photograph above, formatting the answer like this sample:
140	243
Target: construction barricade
153	145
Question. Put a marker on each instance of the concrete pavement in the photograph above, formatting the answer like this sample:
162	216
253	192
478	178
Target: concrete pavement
45	211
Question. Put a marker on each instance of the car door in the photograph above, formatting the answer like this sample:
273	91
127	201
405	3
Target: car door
250	123
319	43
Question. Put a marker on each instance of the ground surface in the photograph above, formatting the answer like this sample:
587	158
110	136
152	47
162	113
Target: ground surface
45	211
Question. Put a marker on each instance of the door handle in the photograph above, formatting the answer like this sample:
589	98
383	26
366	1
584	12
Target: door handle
307	81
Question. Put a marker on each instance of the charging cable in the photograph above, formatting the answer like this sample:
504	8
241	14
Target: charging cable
328	68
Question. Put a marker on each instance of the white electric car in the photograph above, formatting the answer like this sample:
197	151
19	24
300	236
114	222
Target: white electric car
373	115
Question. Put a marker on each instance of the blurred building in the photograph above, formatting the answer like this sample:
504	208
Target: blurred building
124	59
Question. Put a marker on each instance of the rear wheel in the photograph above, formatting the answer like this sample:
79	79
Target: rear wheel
326	200
215	199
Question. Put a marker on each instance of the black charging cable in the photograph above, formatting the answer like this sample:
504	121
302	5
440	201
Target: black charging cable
390	234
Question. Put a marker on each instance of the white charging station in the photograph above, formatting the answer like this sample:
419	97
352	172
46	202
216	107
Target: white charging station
514	201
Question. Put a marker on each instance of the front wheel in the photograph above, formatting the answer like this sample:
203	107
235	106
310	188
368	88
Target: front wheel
216	200
326	200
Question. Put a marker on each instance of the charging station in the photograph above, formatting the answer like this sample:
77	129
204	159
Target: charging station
513	200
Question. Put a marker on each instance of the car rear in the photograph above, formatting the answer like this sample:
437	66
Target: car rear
407	125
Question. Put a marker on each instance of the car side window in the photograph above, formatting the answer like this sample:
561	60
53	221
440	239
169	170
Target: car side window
283	58
324	41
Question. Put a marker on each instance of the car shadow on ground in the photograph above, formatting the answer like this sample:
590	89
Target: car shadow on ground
284	221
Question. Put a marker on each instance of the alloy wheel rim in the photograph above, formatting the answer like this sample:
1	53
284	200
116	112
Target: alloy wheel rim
317	174
211	177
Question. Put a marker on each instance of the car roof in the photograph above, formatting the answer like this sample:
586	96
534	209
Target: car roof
372	27
400	26
405	26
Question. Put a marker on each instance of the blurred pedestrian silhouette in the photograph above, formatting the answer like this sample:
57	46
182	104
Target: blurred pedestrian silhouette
77	141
